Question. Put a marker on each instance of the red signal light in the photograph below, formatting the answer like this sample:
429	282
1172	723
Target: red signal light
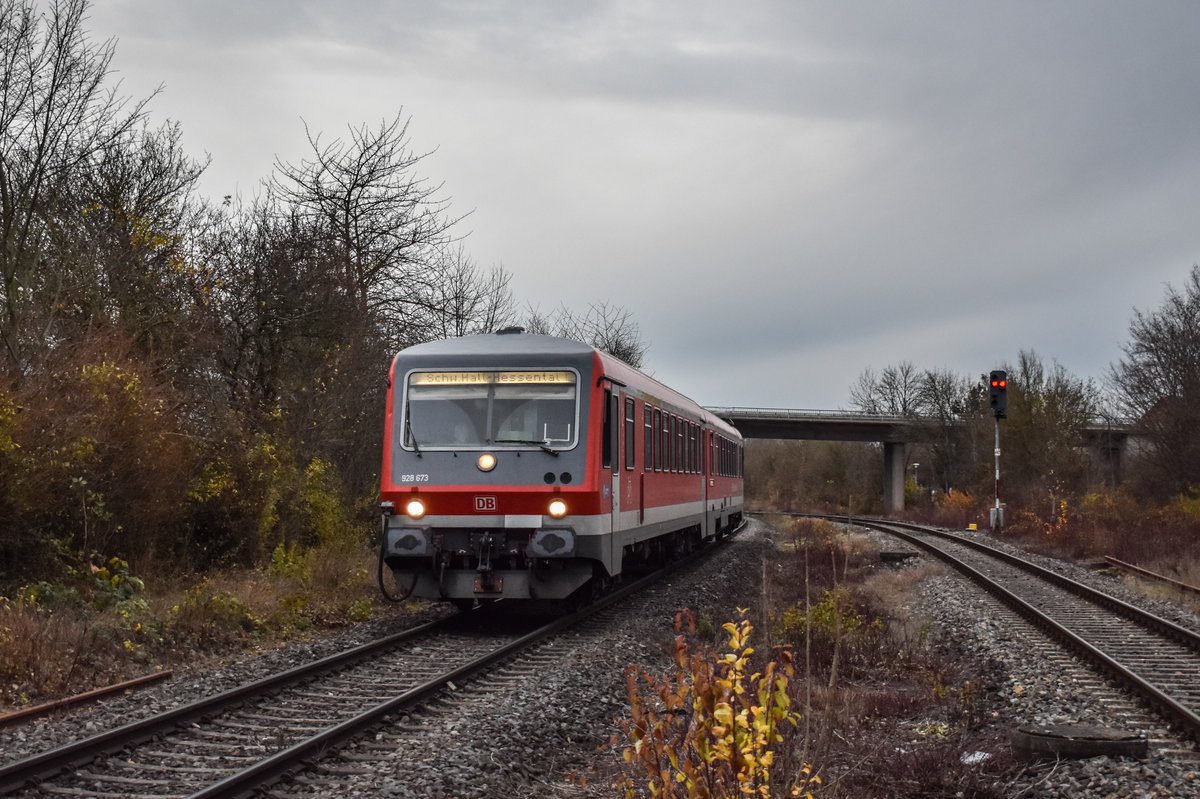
998	395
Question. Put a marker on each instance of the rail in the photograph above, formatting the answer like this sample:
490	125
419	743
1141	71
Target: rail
1128	667
1162	578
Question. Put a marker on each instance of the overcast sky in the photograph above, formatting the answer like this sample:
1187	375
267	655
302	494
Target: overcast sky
783	193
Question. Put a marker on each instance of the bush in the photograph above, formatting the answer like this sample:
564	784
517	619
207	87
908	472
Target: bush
115	587
211	617
710	730
93	460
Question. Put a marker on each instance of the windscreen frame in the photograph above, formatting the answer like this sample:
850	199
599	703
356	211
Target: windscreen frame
487	391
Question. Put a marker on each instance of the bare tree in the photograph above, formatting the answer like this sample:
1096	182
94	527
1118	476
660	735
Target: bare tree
895	392
947	398
1158	384
56	116
607	327
1048	409
139	210
612	329
464	299
277	301
385	221
864	393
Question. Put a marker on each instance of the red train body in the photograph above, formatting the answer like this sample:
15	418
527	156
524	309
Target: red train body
520	466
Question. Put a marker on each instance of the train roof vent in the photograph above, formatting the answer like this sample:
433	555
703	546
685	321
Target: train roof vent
506	331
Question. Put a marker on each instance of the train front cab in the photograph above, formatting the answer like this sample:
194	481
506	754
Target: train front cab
492	449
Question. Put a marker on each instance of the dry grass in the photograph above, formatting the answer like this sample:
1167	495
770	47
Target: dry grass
1166	592
59	640
895	590
888	709
44	652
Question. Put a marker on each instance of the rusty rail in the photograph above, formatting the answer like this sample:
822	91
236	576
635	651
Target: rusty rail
1153	575
78	699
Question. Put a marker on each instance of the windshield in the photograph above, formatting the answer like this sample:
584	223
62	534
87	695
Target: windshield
472	410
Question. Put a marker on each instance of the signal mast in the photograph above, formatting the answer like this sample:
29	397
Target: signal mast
998	399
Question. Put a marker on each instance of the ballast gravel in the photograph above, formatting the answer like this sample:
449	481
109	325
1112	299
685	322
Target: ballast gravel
192	684
547	733
1046	688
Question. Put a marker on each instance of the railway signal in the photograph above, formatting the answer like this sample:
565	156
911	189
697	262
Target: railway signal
998	393
998	399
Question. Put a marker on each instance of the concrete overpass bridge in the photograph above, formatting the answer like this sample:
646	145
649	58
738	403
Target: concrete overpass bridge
1107	438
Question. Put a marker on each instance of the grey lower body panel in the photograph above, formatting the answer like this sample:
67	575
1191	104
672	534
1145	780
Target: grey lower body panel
557	583
466	558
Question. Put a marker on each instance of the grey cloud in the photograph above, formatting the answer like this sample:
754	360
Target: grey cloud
1024	165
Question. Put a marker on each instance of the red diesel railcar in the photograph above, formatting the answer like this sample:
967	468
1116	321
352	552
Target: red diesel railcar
521	466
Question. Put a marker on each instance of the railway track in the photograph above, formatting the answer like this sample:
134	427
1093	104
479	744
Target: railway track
237	742
1153	657
256	731
368	765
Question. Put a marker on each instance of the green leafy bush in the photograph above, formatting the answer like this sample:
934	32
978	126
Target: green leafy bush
114	587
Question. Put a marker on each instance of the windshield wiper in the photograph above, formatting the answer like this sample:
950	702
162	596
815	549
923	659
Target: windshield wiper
545	447
409	433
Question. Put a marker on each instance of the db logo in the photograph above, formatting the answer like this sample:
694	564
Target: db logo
485	504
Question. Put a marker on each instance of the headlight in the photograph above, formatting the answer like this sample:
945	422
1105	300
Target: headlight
557	508
415	508
486	462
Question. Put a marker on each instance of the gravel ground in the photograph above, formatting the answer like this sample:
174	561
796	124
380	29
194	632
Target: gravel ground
1044	687
548	735
545	734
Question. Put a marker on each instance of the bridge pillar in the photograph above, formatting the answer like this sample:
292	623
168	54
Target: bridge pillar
894	463
1109	457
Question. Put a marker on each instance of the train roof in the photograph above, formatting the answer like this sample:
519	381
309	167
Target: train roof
514	342
616	368
501	343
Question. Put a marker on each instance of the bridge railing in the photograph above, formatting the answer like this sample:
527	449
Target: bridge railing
806	413
1097	423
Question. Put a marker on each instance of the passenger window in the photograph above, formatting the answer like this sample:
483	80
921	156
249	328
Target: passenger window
630	434
692	448
614	428
664	441
648	440
658	448
672	447
679	447
687	447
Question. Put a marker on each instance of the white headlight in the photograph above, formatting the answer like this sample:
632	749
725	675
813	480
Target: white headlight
557	508
415	508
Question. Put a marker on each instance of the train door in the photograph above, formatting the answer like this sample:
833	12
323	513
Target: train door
610	460
706	468
627	471
614	413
